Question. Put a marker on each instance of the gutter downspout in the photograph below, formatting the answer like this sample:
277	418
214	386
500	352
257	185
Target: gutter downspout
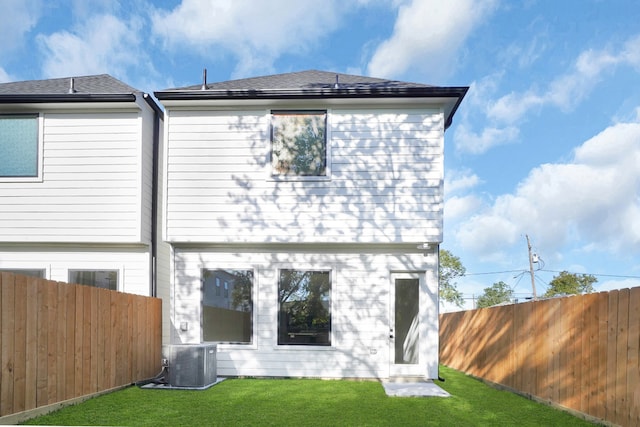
440	378
153	287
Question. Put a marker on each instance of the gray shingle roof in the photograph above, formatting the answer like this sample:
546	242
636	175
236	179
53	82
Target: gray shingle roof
94	85
310	79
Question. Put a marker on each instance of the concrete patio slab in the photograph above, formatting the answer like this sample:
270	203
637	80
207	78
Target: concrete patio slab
413	389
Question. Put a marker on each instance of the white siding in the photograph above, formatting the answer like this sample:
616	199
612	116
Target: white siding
163	256
91	184
359	310
385	184
146	124
132	263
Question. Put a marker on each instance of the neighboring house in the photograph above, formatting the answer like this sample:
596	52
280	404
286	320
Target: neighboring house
77	172
304	213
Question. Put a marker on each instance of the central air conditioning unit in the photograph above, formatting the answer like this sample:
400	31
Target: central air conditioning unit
190	365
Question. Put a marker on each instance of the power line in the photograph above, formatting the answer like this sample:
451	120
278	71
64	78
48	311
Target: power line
493	272
550	271
596	274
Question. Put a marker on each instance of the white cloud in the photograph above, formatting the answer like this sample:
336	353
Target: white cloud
609	285
527	55
427	36
567	90
458	180
4	76
256	33
460	207
101	44
467	141
478	98
631	52
595	199
504	114
17	17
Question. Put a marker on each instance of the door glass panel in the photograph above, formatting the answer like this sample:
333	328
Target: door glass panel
406	321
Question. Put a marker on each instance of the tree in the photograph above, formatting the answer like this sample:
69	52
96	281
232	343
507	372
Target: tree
498	293
450	268
303	297
242	288
567	283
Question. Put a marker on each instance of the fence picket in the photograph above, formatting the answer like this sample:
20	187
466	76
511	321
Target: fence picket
8	343
31	345
622	407
602	307
78	353
42	316
633	366
20	343
612	335
52	343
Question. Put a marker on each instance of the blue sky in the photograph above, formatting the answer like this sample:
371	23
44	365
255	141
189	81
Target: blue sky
546	143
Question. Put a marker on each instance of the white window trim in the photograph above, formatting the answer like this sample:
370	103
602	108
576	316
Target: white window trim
38	177
253	345
306	267
290	178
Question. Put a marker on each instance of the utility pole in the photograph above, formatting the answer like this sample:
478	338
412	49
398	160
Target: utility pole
533	280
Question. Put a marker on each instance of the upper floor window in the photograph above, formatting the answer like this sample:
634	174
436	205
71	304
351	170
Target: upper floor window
299	143
19	149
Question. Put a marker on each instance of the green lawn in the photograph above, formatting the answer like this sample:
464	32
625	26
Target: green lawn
306	402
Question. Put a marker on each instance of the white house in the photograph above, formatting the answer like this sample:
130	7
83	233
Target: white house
77	184
304	214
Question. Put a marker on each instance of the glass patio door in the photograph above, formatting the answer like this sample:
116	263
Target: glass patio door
404	333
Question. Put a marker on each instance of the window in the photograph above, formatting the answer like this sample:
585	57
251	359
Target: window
32	272
106	279
298	143
19	145
304	315
227	319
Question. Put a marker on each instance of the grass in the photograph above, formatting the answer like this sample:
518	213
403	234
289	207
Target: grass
308	402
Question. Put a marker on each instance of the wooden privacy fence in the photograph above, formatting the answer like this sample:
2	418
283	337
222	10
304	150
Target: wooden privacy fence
62	341
580	352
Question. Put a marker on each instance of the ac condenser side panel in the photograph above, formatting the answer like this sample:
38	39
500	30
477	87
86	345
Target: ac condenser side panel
191	365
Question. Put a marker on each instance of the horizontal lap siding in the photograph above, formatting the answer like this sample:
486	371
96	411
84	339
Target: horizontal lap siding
385	184
132	264
146	123
91	183
359	311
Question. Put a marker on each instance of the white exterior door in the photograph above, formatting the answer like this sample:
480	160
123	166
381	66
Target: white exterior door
404	334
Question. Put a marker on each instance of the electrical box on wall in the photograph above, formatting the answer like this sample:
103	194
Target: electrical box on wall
191	365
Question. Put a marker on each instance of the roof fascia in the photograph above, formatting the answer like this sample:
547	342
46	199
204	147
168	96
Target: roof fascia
64	98
421	92
451	97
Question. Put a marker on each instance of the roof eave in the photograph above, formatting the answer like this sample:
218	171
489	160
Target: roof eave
456	92
61	98
462	92
312	93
